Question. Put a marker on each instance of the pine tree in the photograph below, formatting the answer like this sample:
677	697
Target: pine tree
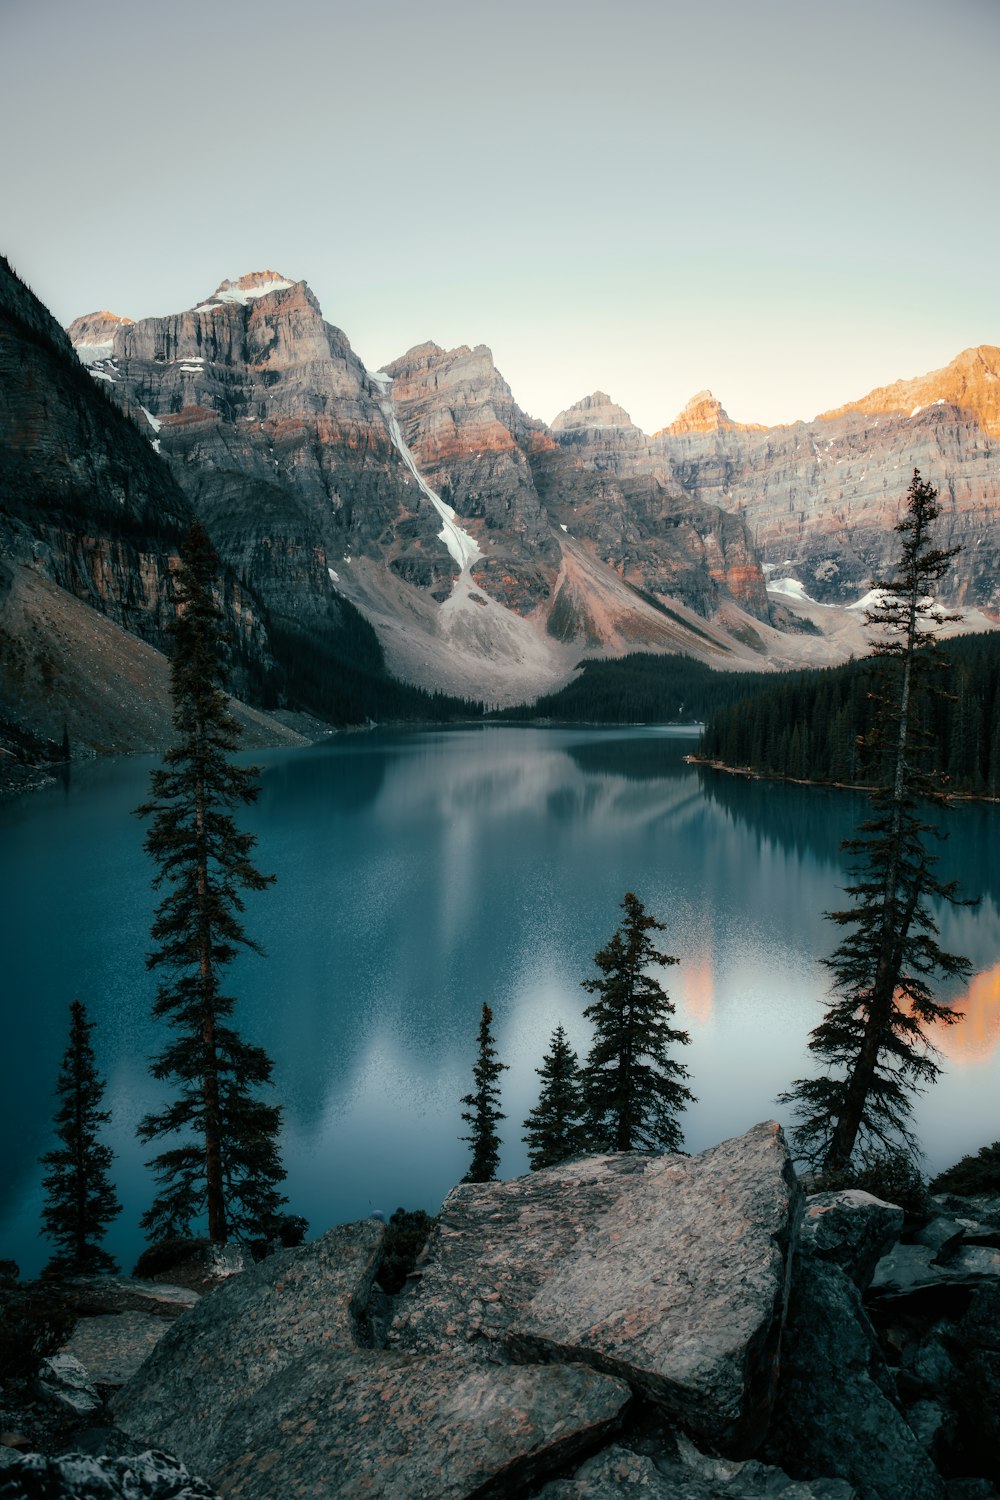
872	1038
80	1200
554	1128
632	1088
482	1114
224	1163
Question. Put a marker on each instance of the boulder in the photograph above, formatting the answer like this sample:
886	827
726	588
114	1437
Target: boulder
368	1424
836	1412
916	1268
237	1339
852	1229
94	1295
940	1234
619	1472
64	1380
670	1271
78	1476
114	1345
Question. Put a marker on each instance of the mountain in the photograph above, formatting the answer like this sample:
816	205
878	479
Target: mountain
421	495
821	497
483	551
90	525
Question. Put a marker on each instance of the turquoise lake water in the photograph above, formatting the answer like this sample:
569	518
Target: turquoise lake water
420	874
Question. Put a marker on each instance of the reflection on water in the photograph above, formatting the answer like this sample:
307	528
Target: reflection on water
420	874
974	1039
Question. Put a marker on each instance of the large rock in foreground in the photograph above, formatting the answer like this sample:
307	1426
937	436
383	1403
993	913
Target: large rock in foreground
240	1337
368	1425
669	1271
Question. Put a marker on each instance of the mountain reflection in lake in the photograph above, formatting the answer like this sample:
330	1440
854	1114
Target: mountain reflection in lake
420	874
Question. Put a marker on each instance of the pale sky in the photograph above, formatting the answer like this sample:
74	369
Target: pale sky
786	201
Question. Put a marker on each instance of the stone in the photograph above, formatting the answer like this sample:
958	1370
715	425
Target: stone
927	1369
77	1476
940	1235
916	1268
112	1346
63	1379
836	1413
241	1336
670	1271
376	1424
927	1420
851	1229
619	1472
93	1295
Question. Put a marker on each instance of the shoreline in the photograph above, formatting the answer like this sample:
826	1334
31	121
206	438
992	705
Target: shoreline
838	786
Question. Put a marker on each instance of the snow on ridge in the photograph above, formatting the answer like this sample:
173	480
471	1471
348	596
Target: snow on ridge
463	547
791	587
232	291
92	354
154	422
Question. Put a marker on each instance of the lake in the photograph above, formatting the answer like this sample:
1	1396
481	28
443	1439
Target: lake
419	874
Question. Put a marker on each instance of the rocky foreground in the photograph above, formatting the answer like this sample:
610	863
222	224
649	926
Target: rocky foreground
663	1326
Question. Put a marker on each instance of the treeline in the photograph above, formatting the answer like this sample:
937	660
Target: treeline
641	688
807	725
339	674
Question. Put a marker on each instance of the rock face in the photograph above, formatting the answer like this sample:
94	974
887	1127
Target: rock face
529	485
294	1303
77	1476
90	524
851	1229
669	1271
836	1412
273	429
437	1426
265	1387
821	498
584	1333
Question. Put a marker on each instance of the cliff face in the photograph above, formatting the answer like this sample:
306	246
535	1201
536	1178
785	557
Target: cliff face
85	501
586	478
606	482
819	499
274	431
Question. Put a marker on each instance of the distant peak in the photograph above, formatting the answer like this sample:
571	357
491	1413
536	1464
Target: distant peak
971	382
595	410
703	413
93	335
248	287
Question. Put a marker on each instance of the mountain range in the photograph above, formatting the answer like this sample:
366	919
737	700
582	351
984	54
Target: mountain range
415	524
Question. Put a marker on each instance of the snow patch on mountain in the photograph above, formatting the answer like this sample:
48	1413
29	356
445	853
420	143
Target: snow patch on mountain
463	547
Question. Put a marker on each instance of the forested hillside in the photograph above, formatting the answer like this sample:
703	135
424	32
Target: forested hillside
806	726
642	688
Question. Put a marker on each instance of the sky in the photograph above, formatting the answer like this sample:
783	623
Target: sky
786	201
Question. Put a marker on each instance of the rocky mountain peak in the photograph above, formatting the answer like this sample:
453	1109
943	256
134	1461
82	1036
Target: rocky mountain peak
971	382
93	335
704	413
248	287
595	410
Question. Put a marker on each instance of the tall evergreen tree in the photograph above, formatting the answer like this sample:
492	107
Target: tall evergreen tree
224	1163
80	1201
483	1114
873	1039
632	1087
554	1128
